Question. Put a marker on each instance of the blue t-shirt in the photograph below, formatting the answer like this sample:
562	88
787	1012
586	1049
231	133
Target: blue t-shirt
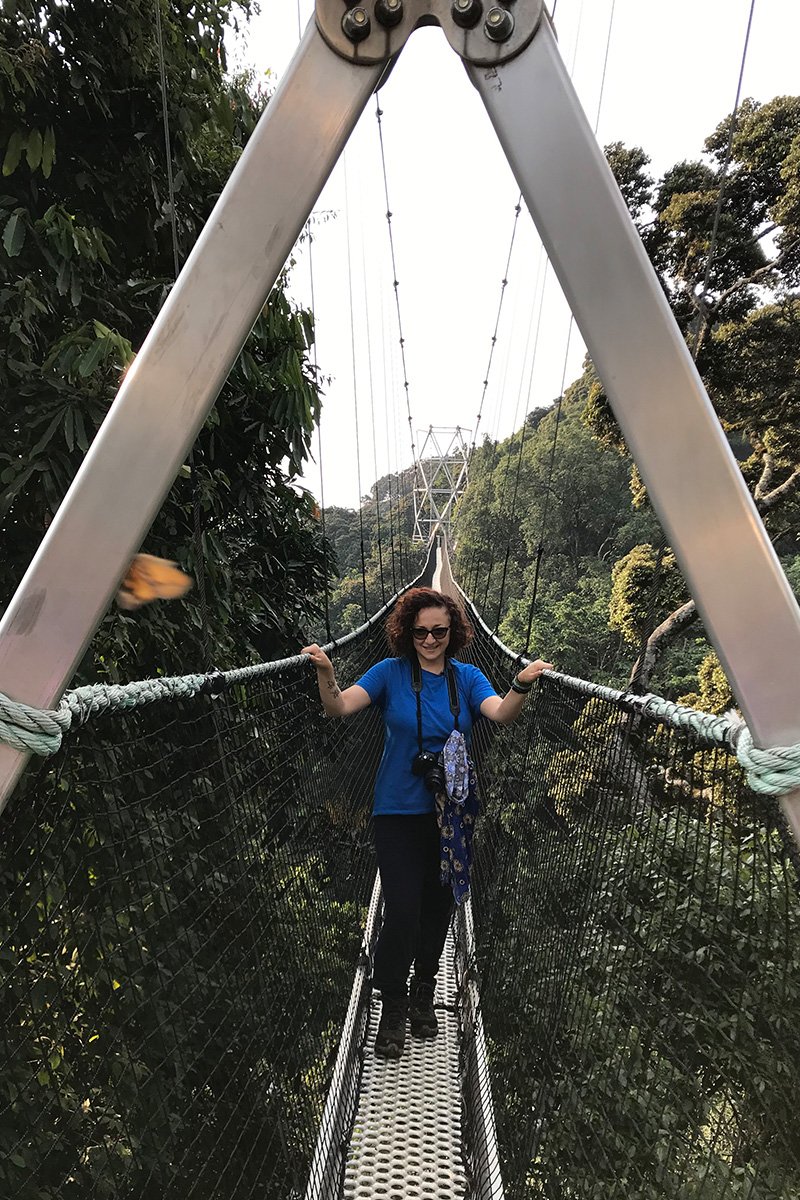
388	683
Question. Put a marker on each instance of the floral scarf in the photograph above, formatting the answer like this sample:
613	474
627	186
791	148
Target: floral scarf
456	810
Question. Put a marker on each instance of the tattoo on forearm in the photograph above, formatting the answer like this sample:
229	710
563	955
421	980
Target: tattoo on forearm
333	688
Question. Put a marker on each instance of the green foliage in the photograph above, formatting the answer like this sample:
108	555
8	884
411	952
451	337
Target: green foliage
753	380
176	966
714	693
574	504
746	342
86	260
570	627
628	165
792	568
639	602
639	993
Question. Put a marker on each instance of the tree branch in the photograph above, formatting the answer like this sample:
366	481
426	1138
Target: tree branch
669	628
744	280
768	501
706	310
765	480
682	617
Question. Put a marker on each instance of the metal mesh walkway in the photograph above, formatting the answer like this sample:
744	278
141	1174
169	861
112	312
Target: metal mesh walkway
407	1136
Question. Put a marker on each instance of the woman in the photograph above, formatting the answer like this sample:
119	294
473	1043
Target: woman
425	628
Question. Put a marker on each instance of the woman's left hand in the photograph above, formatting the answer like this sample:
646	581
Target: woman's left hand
533	671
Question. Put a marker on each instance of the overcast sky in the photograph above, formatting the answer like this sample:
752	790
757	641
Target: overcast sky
671	77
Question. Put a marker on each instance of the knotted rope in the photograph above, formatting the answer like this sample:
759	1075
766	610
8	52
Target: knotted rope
773	772
41	730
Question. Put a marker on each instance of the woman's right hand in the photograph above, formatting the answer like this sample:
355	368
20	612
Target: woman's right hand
318	657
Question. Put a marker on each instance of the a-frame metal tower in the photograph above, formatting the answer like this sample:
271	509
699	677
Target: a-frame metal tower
442	478
511	57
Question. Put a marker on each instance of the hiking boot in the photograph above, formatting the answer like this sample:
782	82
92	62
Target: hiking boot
391	1036
420	1011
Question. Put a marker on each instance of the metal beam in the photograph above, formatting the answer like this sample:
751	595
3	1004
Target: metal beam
176	377
658	398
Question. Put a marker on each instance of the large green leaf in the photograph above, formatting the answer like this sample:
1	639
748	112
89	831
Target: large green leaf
33	150
16	144
14	233
95	355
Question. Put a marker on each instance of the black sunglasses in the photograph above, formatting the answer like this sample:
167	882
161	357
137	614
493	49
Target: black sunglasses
437	633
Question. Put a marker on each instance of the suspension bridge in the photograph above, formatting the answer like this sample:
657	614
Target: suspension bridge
188	870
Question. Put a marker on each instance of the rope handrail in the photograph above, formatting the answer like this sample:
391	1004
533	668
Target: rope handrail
772	771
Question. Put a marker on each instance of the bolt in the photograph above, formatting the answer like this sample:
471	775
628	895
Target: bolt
499	24
356	24
389	12
467	13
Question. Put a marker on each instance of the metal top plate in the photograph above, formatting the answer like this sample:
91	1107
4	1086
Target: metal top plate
380	41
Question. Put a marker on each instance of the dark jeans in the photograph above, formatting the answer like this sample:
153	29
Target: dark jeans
417	909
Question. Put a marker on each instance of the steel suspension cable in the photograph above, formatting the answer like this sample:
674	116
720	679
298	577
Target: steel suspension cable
167	139
393	516
325	554
197	517
700	321
396	286
512	512
493	342
559	402
373	423
355	389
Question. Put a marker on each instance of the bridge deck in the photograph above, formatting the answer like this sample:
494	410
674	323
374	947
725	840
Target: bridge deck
406	1140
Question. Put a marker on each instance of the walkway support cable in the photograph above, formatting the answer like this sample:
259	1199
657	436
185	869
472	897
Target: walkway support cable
355	391
396	284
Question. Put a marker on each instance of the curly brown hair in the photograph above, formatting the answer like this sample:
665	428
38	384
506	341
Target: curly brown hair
401	621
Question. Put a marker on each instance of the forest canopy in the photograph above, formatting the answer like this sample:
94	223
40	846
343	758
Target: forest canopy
555	527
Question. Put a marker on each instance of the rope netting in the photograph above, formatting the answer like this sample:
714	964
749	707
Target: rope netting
185	888
637	924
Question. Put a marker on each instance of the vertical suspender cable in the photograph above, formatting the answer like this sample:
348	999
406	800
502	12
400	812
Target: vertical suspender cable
167	140
387	391
396	288
355	388
325	555
493	343
372	416
517	473
700	324
551	464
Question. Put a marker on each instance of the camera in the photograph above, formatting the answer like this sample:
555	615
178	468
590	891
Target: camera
429	767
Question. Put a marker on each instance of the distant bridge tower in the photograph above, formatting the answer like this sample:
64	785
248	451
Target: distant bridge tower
443	477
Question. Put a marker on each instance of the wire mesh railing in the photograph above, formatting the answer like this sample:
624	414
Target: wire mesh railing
184	890
637	923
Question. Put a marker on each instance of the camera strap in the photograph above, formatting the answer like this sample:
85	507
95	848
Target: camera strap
452	691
